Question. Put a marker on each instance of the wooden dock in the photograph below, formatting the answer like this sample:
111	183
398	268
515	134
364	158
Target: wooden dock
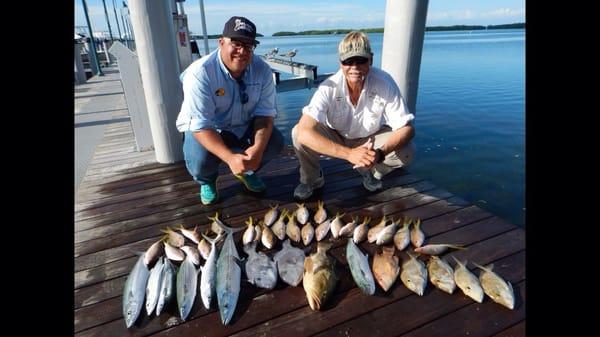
125	199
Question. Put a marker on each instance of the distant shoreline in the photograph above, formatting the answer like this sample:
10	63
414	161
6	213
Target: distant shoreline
380	30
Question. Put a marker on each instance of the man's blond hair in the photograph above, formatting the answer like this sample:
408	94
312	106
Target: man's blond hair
354	42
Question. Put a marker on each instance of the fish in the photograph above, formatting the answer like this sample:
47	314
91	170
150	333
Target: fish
208	287
249	233
322	230
204	247
414	274
441	274
260	269
467	281
258	230
359	267
187	282
290	262
229	274
167	286
271	215
173	238
291	229
153	286
278	227
417	237
173	253
386	234
267	238
402	236
214	225
319	278
348	228
321	213
436	249
192	253
134	291
386	267
153	253
373	231
192	234
302	214
360	232
308	233
336	225
499	290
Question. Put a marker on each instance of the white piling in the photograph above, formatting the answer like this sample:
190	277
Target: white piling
404	31
203	19
159	67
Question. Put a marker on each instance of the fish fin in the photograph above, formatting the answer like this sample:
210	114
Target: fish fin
510	287
460	263
480	266
461	247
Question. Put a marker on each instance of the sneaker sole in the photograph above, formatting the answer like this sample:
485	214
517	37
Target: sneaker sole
314	188
243	181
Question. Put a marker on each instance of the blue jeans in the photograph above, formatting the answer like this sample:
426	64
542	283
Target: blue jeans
203	165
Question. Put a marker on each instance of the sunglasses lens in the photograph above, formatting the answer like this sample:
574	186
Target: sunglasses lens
357	61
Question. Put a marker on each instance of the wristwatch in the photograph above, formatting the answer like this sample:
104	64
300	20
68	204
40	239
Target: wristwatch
380	155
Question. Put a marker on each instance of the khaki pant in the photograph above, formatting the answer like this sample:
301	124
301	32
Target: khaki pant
309	159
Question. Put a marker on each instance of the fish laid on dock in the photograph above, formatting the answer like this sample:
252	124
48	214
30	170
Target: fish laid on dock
441	274
402	236
308	233
291	228
417	237
321	213
192	234
192	253
249	233
467	281
360	232
278	227
437	249
336	225
373	231
322	230
173	238
499	290
267	238
290	263
386	267
302	213
319	276
348	228
414	274
134	291
229	274
186	285
359	267
261	270
153	286
208	283
153	253
167	286
271	215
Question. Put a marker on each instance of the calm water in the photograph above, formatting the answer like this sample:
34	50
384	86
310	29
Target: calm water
470	117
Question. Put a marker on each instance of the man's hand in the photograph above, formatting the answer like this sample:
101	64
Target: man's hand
253	158
237	163
363	155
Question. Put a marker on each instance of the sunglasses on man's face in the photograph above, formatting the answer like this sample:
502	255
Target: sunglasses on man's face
239	45
243	95
355	61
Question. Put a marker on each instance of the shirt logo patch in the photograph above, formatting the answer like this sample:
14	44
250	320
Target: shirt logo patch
220	92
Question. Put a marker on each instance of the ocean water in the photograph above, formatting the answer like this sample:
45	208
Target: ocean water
470	112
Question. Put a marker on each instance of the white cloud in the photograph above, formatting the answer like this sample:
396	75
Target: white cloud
504	13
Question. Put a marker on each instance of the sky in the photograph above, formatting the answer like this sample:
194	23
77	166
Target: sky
272	16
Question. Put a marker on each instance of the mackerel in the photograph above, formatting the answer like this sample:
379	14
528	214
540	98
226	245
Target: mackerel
153	286
229	274
187	282
359	267
134	291
207	278
167	287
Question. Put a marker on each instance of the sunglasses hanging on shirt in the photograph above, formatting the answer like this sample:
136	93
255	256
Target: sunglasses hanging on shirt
243	94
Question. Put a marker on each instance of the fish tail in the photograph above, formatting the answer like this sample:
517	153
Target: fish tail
227	228
461	247
212	241
214	218
487	268
461	263
249	221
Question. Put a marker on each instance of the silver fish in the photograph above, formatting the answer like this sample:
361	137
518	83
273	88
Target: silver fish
322	230
437	249
291	229
302	213
173	238
386	234
153	286
467	281
359	267
215	224
360	232
260	269
267	238
258	231
249	233
173	253
414	274
229	275
186	285
417	237
336	225
167	287
271	215
441	274
348	228
308	233
192	253
134	291
321	213
402	236
208	287
499	290
192	234
290	263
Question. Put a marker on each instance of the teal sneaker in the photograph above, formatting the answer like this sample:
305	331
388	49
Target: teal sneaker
209	193
252	182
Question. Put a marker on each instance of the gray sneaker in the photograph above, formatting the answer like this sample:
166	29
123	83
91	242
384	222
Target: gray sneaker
380	170
370	183
304	191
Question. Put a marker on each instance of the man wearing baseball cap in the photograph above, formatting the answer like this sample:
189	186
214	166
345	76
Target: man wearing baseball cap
359	115
228	111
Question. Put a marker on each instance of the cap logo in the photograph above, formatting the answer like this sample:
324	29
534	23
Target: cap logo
239	24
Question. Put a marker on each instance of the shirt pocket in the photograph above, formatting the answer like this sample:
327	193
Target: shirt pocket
372	117
253	92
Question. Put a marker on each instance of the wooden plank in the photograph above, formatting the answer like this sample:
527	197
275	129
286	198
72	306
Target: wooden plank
517	330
